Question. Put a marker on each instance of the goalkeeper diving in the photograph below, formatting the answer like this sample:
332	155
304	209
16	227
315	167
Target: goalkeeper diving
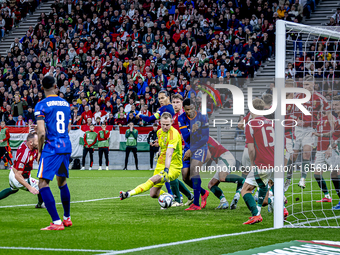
169	163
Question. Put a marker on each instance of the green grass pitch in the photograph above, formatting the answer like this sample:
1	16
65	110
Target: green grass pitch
117	225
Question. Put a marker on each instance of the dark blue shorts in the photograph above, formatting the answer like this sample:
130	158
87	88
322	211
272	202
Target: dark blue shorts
53	164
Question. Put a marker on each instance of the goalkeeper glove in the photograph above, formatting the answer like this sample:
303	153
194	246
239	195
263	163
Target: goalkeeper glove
165	174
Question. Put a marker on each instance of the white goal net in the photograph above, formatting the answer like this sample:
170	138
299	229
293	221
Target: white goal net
309	56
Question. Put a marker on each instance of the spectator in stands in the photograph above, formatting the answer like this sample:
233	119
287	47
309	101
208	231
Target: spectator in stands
20	122
131	144
336	17
18	107
30	115
11	121
2	28
111	120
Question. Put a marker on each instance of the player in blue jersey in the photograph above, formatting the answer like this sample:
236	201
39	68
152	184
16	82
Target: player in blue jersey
166	106
53	158
195	131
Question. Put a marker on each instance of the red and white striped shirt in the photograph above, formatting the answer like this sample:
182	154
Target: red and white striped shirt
24	159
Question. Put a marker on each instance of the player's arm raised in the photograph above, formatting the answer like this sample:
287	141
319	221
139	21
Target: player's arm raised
21	180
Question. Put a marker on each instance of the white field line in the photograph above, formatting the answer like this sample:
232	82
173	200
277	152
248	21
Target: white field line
112	252
51	249
185	242
72	202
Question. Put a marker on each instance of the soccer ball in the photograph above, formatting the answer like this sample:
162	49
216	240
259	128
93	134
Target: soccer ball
165	200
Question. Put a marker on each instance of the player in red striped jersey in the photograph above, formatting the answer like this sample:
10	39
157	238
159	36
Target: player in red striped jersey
177	104
306	125
20	174
261	133
225	163
321	163
332	152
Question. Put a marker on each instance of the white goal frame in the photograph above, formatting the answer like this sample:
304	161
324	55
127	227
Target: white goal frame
280	64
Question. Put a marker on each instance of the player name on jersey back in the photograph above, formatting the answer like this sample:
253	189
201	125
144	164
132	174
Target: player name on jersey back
57	103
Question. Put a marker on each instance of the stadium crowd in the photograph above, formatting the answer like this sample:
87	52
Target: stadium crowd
111	58
12	13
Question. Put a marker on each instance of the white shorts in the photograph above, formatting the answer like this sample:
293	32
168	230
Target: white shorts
289	148
264	175
245	158
226	162
324	164
303	137
15	185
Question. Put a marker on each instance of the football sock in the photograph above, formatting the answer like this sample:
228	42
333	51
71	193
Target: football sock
262	195
250	202
65	199
234	178
175	188
183	189
217	192
6	192
321	182
40	200
269	200
142	188
48	198
244	175
336	183
191	185
168	187
305	168
196	183
290	169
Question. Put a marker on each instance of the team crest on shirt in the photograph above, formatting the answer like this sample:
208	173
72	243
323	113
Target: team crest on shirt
314	103
31	158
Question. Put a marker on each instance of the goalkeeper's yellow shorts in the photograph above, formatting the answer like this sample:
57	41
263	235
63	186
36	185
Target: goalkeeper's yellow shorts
173	173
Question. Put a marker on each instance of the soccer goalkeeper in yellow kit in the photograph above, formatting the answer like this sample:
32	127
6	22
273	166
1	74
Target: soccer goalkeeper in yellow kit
169	164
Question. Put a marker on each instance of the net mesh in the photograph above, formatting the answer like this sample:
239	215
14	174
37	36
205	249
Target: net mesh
312	59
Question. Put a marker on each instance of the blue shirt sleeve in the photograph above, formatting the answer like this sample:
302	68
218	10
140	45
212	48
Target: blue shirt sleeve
203	132
39	111
184	129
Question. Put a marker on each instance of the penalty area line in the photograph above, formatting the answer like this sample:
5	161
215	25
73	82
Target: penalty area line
72	202
185	242
52	249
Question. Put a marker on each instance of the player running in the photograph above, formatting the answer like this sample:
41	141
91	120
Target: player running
332	153
306	126
169	163
225	162
261	133
195	132
177	104
20	174
54	158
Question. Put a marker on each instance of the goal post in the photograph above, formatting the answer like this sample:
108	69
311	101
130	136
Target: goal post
302	205
280	63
